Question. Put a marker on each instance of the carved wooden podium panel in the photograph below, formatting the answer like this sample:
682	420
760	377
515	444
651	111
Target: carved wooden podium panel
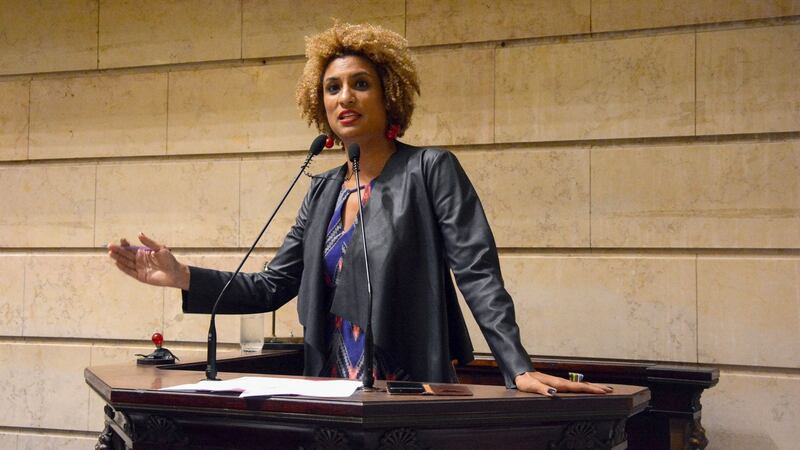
139	416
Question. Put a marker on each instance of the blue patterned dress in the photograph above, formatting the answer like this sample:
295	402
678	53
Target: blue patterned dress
345	357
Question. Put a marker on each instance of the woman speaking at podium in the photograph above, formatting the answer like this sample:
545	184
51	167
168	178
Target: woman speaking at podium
423	219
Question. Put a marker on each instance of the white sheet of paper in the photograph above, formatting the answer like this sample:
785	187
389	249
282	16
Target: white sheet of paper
256	386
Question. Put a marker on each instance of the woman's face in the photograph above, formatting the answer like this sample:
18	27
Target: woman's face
353	98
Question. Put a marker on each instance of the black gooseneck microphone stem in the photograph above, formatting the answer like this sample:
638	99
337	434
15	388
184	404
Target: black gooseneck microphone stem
211	367
367	377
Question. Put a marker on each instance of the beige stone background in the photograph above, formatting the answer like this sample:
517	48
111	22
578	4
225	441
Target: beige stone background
639	162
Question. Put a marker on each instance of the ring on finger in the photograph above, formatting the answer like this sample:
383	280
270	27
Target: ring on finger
576	377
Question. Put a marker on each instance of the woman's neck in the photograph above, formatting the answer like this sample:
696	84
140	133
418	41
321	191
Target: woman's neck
374	156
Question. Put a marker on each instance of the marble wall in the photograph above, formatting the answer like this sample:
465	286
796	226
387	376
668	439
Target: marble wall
639	163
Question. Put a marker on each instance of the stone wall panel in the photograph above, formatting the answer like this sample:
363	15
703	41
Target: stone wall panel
747	80
194	327
749	311
455	22
8	440
615	15
533	197
749	410
230	110
726	195
44	386
12	288
278	27
47	205
151	32
99	116
602	307
264	181
54	442
71	296
14	120
180	204
457	108
48	36
598	89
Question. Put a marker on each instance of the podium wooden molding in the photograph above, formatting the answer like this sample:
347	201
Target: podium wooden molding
672	421
139	416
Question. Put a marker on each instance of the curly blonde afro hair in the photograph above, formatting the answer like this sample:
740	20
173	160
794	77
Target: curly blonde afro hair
385	49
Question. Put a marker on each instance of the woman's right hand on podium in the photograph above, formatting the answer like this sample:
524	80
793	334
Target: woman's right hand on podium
153	264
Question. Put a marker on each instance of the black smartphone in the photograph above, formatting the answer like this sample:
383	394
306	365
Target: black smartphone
404	387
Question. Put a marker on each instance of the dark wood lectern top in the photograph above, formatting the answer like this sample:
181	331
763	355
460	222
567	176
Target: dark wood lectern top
132	385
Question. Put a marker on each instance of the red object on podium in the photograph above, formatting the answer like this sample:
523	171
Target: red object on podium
158	339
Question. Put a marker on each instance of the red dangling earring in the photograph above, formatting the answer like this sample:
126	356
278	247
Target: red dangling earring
392	132
329	142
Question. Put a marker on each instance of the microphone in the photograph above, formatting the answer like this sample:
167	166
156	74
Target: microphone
367	379
211	369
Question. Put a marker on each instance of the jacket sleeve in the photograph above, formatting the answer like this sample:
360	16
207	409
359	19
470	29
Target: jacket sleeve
472	256
253	292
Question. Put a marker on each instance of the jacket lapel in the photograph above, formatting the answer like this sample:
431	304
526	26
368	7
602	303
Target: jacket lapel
311	297
351	298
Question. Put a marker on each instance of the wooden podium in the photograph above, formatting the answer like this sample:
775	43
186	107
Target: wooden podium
139	416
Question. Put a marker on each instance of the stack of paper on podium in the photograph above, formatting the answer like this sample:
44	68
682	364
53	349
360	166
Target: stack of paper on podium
258	386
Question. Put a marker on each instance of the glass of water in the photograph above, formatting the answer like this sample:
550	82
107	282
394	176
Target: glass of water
251	336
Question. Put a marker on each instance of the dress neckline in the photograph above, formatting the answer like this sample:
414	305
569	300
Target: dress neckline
363	186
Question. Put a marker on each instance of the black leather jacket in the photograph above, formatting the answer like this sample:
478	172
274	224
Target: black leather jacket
423	219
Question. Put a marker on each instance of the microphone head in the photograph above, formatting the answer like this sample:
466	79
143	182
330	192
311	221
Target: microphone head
317	145
354	152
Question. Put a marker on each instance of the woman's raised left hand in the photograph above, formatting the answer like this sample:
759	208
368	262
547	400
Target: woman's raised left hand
549	385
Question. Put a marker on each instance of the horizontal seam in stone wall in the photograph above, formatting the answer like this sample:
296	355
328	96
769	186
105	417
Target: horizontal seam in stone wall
639	141
647	252
95	342
101	250
766	137
530	41
755	370
566	252
51	432
160	68
648	32
746	370
207	157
